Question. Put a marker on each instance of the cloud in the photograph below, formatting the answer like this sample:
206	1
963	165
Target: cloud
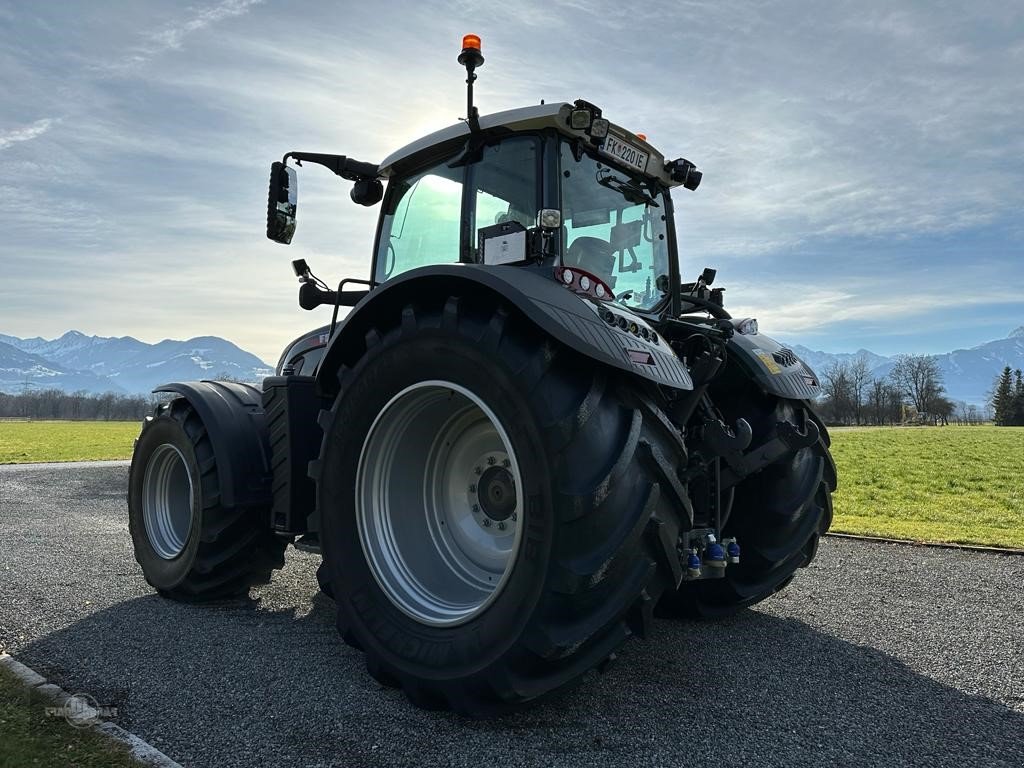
850	155
36	129
855	313
170	38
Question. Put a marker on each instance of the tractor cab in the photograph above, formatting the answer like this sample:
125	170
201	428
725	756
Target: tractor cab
548	187
527	188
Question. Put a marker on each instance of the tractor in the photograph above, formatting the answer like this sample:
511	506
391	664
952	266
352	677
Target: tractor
527	438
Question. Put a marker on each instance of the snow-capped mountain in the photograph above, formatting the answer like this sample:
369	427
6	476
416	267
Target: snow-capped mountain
819	361
124	365
967	373
21	371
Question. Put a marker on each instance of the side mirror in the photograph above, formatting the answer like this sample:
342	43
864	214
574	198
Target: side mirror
282	200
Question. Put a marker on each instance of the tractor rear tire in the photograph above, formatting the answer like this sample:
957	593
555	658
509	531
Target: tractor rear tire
777	514
190	546
515	512
323	579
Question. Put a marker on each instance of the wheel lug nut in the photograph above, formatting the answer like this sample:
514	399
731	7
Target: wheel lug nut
506	463
476	507
514	517
501	526
472	487
487	522
477	470
490	461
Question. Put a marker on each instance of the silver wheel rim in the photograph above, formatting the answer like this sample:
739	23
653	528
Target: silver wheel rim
435	520
167	501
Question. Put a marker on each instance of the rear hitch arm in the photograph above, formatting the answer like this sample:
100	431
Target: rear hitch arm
788	440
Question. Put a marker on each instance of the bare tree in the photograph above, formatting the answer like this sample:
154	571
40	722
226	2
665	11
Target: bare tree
919	380
859	377
838	394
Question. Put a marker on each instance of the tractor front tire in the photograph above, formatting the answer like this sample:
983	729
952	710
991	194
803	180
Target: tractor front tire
777	515
514	514
190	546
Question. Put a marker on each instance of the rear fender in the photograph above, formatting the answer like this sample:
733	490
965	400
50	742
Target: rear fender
558	312
233	416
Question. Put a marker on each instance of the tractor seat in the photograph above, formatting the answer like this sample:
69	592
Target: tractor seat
593	255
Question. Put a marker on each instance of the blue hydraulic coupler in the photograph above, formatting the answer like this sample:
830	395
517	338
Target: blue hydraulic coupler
693	564
714	555
734	552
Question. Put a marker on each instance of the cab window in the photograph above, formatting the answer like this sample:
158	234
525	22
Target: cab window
504	186
423	226
615	228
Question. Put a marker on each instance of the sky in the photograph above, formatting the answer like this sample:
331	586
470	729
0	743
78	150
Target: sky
863	161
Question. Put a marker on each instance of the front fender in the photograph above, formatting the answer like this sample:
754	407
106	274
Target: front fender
775	368
232	415
561	314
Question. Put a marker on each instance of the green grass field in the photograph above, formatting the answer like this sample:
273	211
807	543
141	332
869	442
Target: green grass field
27	441
33	737
951	484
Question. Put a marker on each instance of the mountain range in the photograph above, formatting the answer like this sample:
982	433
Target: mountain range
123	365
968	374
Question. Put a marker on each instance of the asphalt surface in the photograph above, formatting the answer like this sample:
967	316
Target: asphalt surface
877	654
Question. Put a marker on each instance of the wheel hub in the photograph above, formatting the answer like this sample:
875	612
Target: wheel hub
437	500
167	501
497	493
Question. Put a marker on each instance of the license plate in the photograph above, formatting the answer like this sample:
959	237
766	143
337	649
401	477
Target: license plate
625	152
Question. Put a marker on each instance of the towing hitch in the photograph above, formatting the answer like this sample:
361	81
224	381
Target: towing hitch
788	440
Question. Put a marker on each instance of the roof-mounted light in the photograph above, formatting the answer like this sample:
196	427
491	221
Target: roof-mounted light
579	119
471	58
587	117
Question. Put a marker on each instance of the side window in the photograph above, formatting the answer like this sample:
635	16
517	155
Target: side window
424	226
504	185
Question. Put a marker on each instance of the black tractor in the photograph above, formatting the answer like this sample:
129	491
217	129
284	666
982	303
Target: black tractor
527	437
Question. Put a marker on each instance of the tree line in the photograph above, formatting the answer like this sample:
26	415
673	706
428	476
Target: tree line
55	404
1008	399
913	391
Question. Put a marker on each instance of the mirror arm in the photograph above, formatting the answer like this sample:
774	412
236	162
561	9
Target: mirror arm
346	167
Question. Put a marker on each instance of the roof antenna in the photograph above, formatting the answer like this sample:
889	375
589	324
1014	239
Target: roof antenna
471	58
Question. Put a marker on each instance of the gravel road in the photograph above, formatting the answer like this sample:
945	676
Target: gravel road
876	655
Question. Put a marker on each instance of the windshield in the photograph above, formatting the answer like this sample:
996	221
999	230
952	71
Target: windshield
615	229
